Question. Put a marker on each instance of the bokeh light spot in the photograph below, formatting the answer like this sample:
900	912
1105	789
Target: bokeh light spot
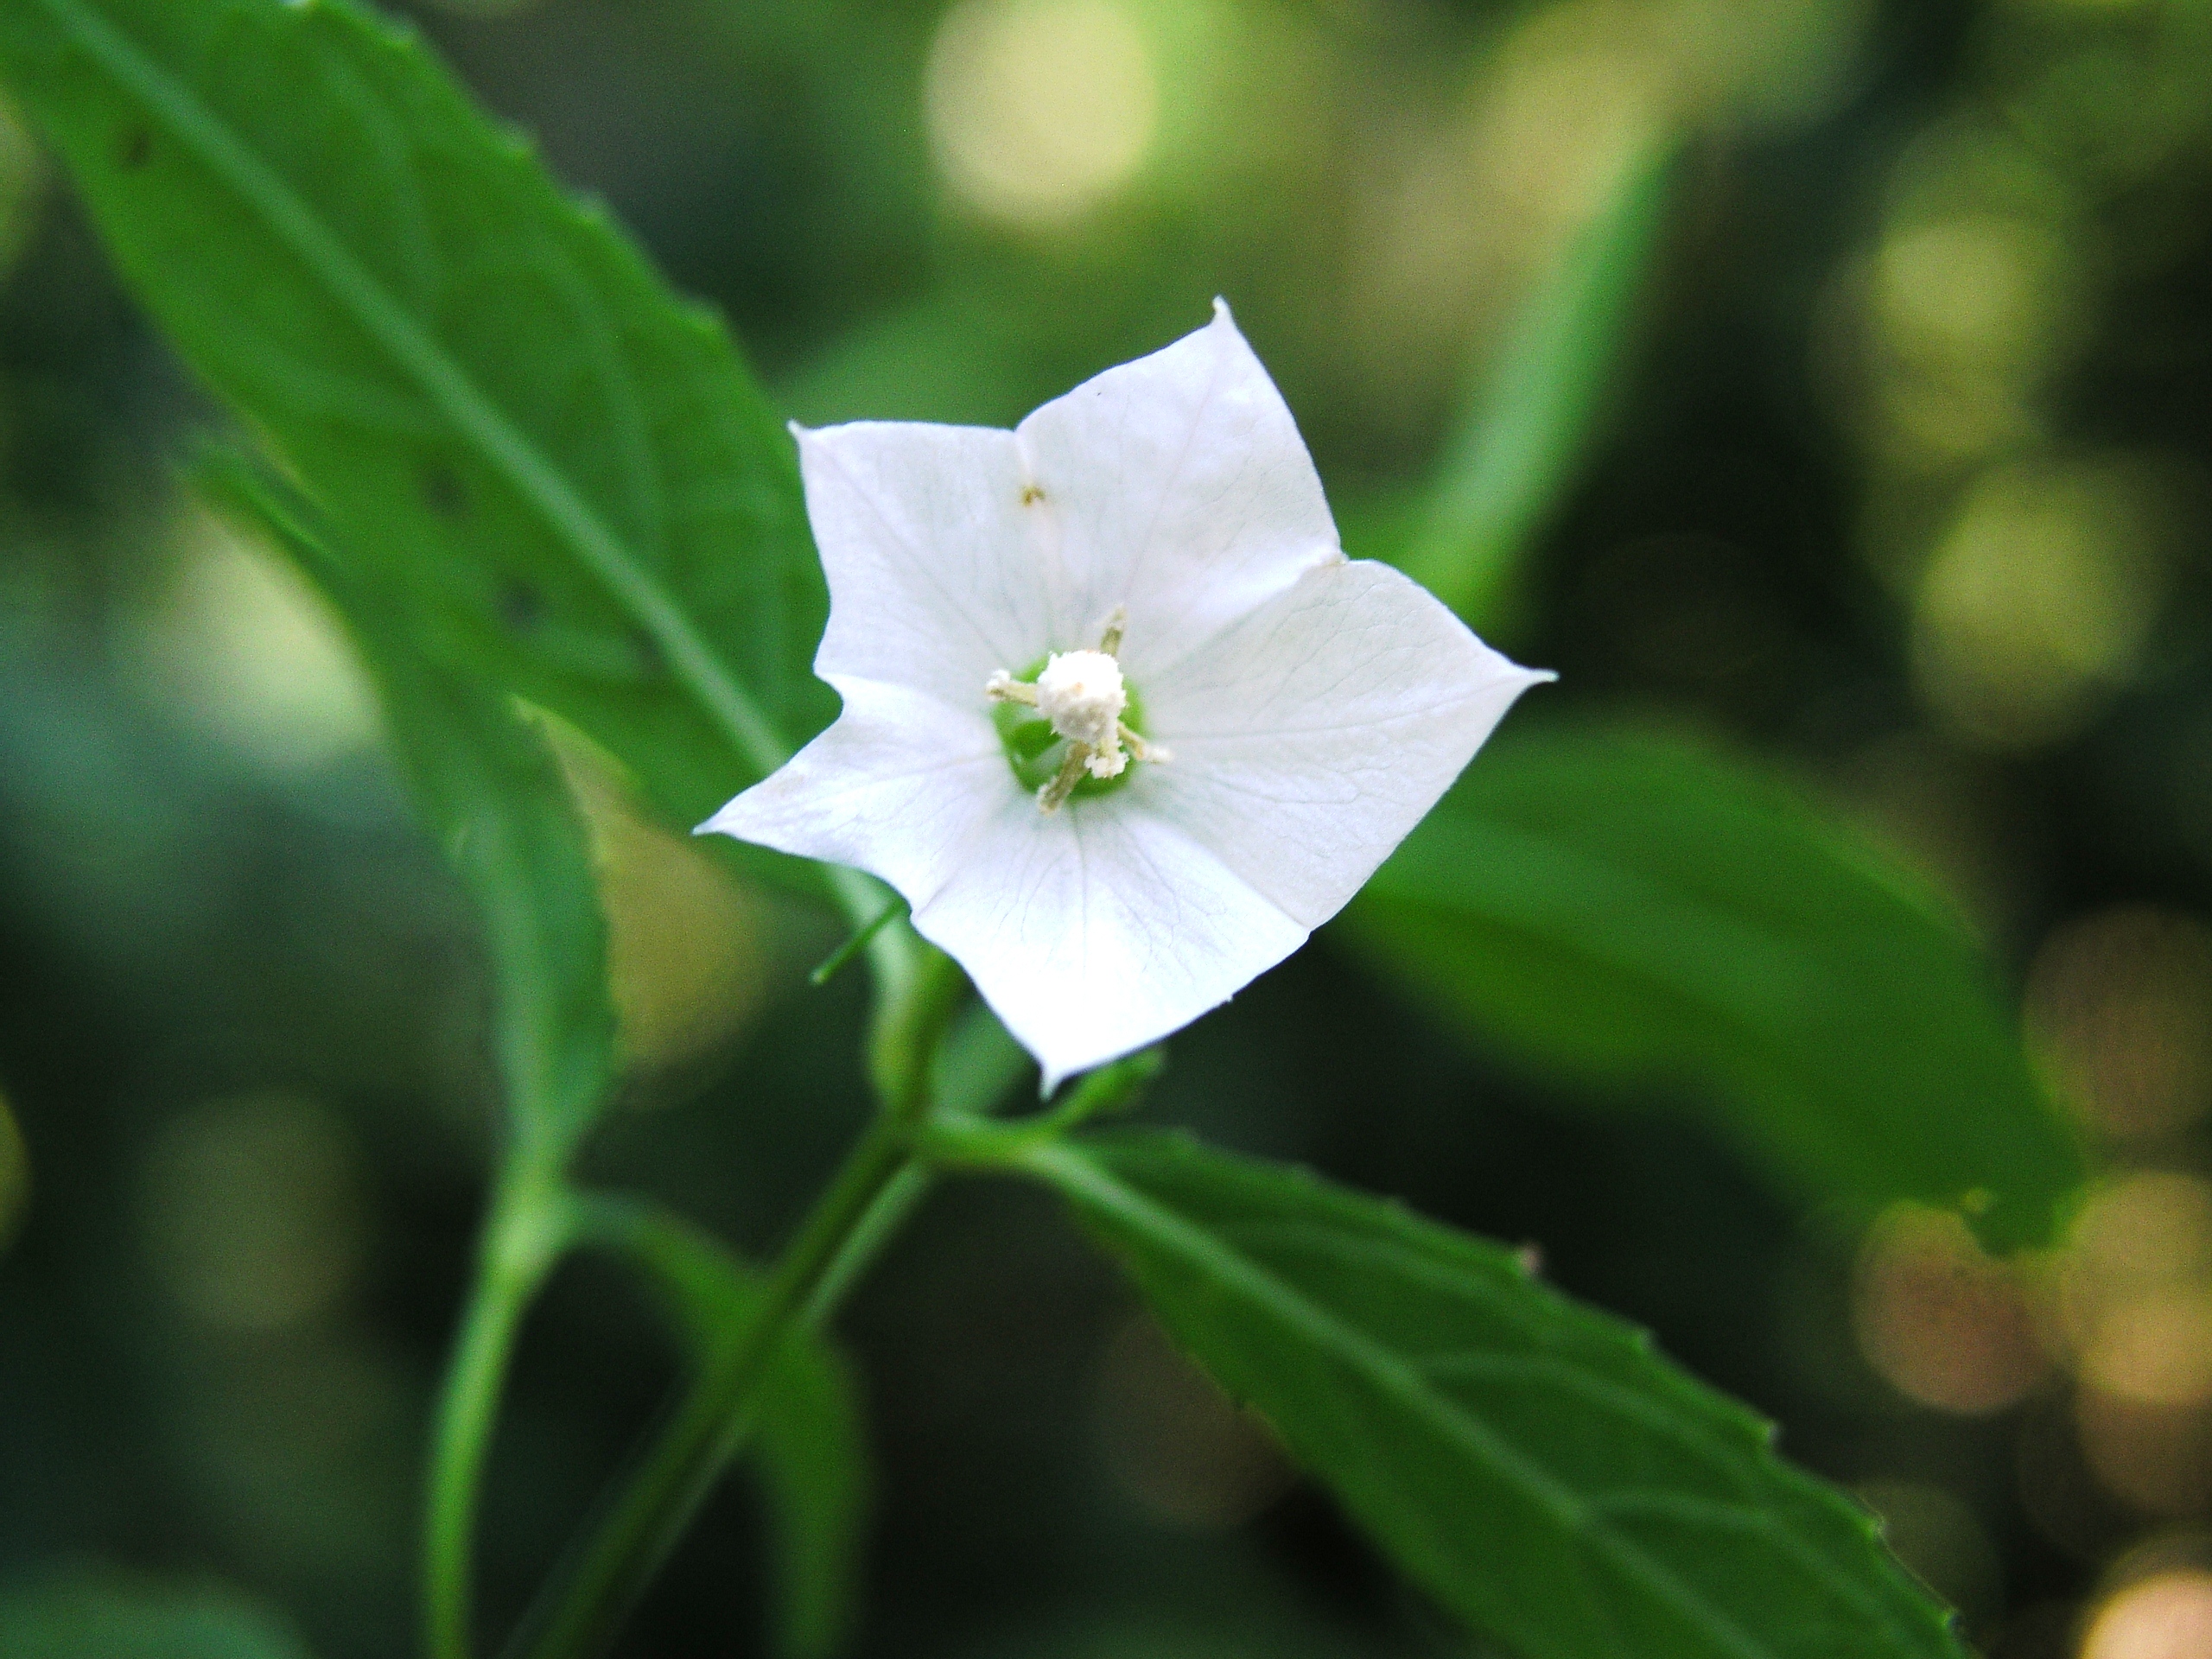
2155	1457
1943	1324
2119	1012
2165	1617
1040	108
14	1173
1175	1443
1977	291
239	646
2154	1350
2138	1237
2039	602
687	958
22	179
252	1210
2135	1301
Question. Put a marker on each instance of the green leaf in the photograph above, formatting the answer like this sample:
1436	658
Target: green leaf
1627	910
808	1438
99	1615
1534	1464
572	481
1516	447
495	798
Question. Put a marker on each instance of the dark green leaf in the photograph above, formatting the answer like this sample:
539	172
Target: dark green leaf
573	483
497	803
1526	429
808	1439
1534	1464
1629	909
91	1615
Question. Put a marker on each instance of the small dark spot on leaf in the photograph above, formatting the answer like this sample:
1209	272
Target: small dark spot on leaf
135	149
520	608
442	491
650	659
1031	494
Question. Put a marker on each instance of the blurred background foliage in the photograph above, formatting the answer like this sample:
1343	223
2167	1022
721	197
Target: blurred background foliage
1901	484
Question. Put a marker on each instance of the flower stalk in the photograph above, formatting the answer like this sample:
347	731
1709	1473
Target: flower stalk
525	1235
594	1588
873	1191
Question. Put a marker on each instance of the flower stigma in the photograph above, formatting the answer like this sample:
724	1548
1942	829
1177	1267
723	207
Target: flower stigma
1082	700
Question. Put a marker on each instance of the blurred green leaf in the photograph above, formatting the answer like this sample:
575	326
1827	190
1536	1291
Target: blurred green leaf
1534	1464
978	1063
495	798
1513	453
571	480
808	1439
1628	909
99	1615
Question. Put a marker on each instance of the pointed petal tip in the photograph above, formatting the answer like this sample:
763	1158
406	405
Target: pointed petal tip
1057	1061
719	824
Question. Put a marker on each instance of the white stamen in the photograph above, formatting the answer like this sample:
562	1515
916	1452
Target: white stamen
1158	753
1002	687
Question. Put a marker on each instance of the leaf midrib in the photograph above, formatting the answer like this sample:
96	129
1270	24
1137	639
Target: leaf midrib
420	357
1068	1167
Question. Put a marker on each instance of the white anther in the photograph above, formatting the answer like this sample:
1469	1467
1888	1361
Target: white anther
1082	693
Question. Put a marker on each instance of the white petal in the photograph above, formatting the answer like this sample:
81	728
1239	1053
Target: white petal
897	786
1178	486
930	540
1310	737
1096	930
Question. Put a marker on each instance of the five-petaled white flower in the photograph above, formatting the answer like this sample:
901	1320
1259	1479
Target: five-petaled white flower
1121	721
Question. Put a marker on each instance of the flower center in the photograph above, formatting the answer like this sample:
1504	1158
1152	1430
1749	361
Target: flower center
1082	693
1071	723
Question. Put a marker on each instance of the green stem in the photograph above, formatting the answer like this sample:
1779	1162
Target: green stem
886	1214
582	1605
954	1138
524	1235
595	1588
852	946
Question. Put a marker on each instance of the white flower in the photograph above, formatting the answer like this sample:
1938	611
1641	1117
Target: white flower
1121	721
